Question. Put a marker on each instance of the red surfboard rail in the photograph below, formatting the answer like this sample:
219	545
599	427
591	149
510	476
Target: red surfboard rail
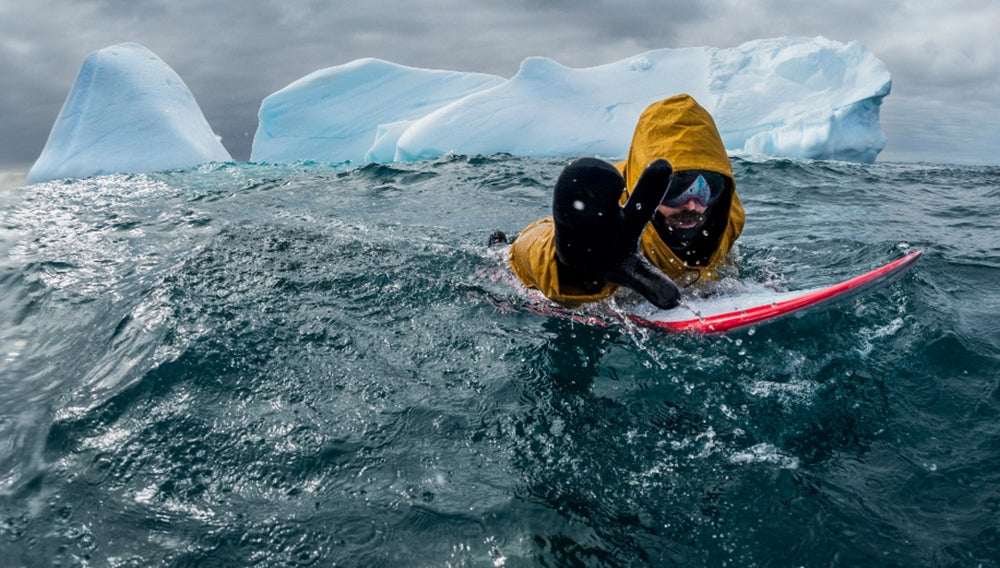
719	323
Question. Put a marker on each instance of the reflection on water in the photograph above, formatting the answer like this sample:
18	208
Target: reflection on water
255	364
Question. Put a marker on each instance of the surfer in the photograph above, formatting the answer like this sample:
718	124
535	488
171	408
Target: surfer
667	215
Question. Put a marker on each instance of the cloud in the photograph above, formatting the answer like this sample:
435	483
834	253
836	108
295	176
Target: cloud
233	54
931	130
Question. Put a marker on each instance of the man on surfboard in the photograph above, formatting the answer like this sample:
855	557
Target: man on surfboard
667	214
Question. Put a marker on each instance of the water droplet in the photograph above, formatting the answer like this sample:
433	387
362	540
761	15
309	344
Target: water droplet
579	205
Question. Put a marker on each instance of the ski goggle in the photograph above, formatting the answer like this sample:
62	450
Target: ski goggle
702	186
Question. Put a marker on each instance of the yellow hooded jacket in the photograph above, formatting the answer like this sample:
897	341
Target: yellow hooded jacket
684	133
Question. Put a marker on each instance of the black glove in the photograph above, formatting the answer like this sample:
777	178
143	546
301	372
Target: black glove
598	240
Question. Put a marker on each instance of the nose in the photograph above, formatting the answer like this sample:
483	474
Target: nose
690	204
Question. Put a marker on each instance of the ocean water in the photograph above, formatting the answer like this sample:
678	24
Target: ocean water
259	365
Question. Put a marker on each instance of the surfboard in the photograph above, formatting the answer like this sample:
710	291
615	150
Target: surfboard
729	313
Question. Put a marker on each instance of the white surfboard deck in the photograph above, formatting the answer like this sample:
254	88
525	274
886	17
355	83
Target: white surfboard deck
728	313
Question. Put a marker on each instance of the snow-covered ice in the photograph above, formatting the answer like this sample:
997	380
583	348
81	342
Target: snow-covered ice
128	111
355	112
790	97
793	97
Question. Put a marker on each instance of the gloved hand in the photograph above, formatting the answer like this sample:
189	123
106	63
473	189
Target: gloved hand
599	240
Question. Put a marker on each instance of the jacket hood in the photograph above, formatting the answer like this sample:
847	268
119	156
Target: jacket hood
681	131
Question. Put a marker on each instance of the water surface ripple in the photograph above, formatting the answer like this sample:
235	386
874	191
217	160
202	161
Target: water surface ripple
261	365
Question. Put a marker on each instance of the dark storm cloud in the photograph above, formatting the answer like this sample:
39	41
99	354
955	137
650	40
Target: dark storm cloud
233	54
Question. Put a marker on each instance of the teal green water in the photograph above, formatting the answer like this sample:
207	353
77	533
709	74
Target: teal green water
248	365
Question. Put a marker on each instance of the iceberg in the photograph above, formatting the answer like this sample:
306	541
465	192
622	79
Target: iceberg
355	112
128	112
811	98
800	98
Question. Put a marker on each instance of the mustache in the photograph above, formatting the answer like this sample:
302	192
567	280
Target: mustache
684	218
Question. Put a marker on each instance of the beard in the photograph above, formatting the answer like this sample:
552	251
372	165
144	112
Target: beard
680	229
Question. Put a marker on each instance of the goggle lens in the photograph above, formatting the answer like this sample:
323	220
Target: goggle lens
703	187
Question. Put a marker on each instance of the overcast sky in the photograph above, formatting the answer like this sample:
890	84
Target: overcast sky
944	55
